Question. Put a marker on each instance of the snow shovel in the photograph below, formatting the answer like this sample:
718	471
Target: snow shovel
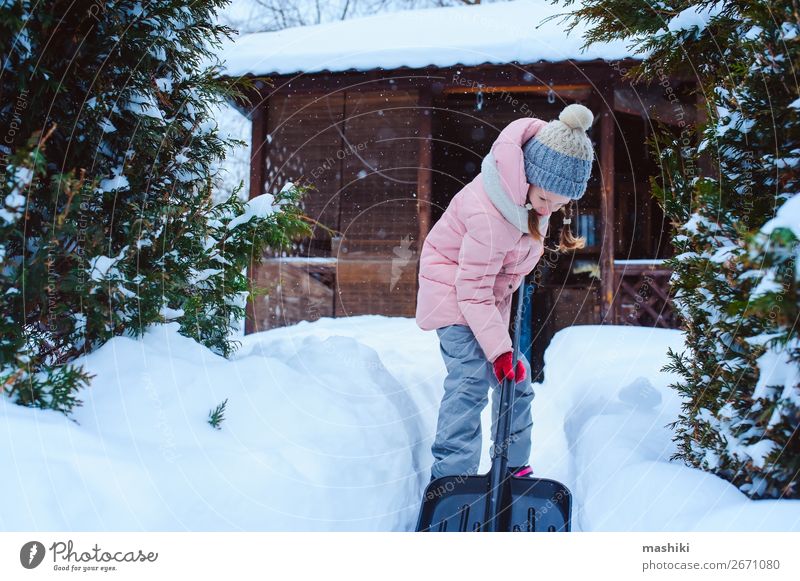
497	501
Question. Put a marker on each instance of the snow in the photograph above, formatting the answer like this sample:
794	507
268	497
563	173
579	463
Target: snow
777	370
169	313
695	220
15	200
144	104
328	426
258	207
197	276
696	17
107	126
100	266
789	30
767	285
118	182
643	261
787	216
468	35
759	451
332	260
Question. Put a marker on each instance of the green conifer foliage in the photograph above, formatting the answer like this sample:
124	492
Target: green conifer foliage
109	158
735	273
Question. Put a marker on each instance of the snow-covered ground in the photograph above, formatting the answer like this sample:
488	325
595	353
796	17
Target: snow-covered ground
328	426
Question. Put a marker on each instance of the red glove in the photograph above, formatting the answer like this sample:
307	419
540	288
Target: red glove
502	368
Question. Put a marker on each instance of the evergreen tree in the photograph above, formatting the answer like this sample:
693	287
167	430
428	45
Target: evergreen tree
734	279
110	156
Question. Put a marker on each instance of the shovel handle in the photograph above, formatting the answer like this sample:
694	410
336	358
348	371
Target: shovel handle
497	474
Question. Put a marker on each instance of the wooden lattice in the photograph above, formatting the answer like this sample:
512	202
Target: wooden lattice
641	295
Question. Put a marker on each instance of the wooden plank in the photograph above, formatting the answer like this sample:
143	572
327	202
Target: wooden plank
258	149
644	303
370	286
607	205
650	103
594	73
380	180
306	138
293	294
631	279
309	119
300	140
577	92
642	190
379	204
424	173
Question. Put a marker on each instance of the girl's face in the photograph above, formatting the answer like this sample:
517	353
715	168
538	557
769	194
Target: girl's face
545	202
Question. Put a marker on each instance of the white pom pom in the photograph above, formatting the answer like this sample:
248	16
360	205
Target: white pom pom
576	116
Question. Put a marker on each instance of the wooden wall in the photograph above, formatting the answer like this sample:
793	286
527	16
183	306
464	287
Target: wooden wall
380	180
359	149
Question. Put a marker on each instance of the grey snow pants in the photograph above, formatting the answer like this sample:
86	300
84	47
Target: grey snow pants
457	446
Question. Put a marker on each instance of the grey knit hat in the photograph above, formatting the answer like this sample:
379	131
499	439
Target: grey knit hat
559	157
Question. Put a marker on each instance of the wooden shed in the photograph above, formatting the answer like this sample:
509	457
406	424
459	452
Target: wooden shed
388	125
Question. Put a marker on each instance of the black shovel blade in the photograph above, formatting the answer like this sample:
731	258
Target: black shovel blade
458	504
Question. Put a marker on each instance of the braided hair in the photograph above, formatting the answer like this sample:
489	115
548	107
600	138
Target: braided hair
567	240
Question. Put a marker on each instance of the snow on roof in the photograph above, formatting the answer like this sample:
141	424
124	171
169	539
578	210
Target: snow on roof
467	35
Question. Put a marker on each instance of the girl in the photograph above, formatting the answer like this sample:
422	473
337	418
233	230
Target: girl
490	236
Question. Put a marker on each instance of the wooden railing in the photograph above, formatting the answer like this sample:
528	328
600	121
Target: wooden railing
641	294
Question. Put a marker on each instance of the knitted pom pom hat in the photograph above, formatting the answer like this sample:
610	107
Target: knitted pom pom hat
559	157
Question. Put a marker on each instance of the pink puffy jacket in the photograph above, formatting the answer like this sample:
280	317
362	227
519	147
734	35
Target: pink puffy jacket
473	259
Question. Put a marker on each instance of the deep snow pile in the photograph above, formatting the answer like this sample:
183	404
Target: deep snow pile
328	426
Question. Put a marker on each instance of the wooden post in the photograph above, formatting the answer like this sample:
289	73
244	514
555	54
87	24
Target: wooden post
257	165
424	174
607	204
258	149
646	197
704	163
